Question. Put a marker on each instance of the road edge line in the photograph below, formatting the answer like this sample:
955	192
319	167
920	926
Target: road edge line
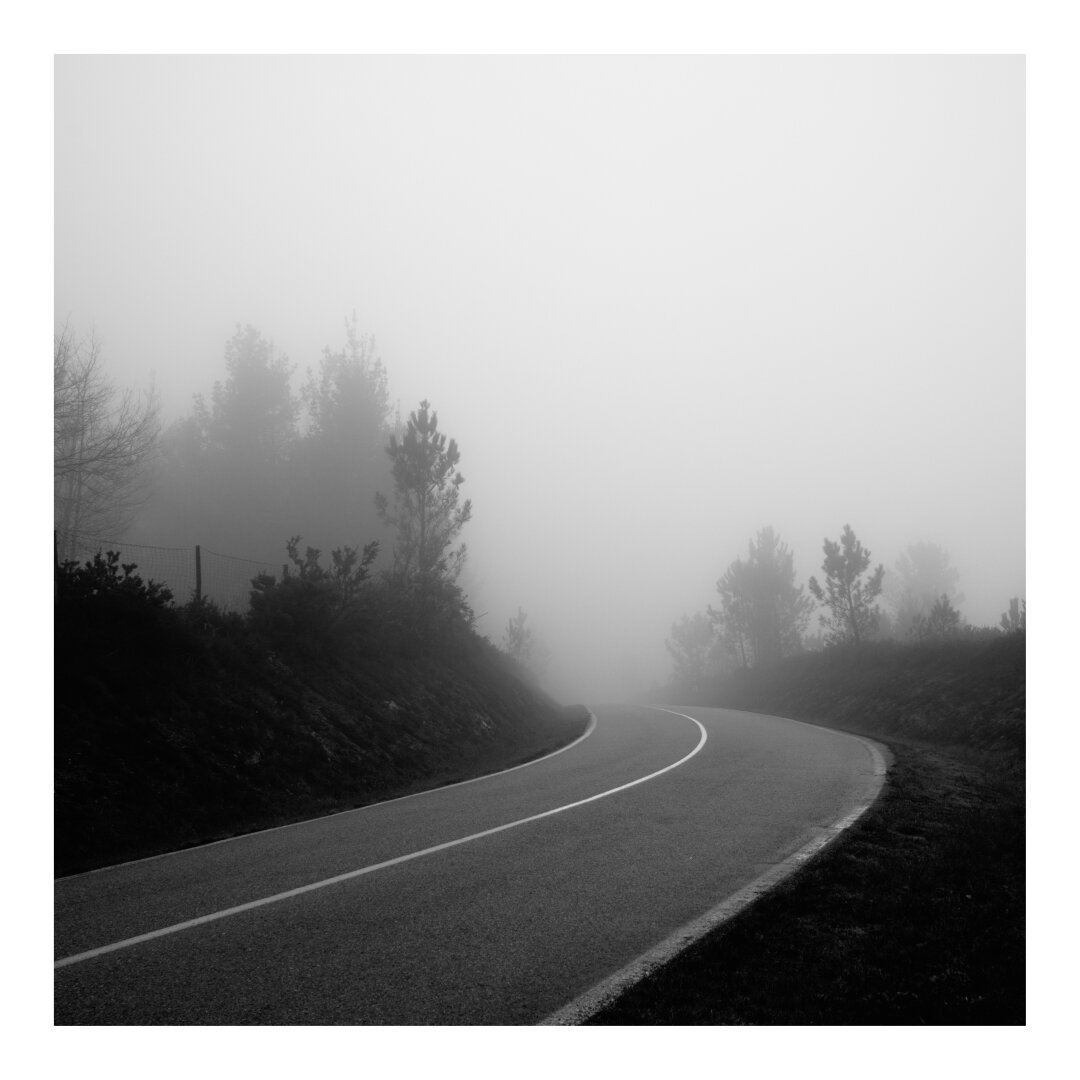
590	728
608	990
251	905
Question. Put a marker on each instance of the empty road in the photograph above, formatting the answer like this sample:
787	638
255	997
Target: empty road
497	901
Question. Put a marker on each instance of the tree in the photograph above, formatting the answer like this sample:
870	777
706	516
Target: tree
781	609
347	402
425	513
1014	621
691	646
734	619
228	477
340	462
941	623
763	613
847	594
104	442
518	639
252	414
523	645
923	575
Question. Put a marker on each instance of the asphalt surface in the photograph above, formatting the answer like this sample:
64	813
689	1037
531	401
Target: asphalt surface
506	928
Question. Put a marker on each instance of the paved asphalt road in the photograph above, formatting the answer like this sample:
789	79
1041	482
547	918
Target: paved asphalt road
502	929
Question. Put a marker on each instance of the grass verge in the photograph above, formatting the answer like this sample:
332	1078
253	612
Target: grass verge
916	916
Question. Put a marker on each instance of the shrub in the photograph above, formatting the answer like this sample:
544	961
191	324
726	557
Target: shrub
313	609
109	579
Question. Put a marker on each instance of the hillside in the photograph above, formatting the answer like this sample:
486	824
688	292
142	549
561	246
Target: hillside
963	693
916	915
180	725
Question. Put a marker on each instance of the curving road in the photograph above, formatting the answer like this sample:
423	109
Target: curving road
498	901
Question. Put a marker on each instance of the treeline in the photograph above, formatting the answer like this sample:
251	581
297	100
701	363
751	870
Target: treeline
355	674
254	469
763	614
328	607
262	461
258	460
263	456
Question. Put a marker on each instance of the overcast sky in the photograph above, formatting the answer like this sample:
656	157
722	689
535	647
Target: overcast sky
659	302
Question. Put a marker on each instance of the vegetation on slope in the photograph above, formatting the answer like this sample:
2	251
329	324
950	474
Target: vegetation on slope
180	725
916	916
958	693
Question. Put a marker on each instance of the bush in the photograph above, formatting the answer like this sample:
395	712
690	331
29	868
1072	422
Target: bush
109	579
314	609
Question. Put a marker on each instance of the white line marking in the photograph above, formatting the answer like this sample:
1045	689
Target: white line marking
352	810
214	916
605	992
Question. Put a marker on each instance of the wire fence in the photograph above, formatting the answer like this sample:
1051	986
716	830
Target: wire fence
189	572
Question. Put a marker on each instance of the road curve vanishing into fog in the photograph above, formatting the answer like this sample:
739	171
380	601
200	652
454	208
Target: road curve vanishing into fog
499	901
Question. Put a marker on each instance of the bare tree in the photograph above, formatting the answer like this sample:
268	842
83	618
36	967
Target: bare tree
104	441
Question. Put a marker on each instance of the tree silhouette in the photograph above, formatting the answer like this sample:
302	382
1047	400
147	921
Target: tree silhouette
847	595
942	622
104	441
691	647
923	575
425	511
762	613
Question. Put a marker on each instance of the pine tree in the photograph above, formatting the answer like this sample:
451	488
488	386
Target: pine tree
848	596
425	512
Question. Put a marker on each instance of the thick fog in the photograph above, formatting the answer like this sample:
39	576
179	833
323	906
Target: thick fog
660	303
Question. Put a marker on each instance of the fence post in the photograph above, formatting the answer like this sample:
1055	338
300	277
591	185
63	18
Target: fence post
198	574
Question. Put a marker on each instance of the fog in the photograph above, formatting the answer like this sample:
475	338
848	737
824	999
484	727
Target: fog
660	303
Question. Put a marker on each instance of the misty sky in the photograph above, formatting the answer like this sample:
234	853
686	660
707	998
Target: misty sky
660	302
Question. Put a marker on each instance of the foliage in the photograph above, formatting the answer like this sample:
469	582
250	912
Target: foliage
104	443
347	402
848	595
106	578
425	512
348	570
182	725
692	647
252	414
316	607
763	613
421	617
1014	621
923	574
518	639
735	616
941	623
522	644
254	458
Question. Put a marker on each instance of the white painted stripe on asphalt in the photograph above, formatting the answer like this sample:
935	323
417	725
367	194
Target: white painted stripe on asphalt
605	992
214	916
353	810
